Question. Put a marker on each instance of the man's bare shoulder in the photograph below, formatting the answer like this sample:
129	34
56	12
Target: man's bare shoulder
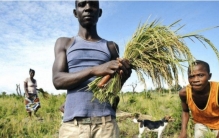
64	42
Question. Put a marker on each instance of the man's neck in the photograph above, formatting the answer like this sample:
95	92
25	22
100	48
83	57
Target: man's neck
89	34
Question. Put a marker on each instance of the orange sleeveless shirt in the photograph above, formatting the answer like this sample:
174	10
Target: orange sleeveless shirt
208	116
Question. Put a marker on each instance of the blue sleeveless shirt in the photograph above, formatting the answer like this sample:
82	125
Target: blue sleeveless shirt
83	54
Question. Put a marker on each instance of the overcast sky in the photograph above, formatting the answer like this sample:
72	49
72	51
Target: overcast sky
29	31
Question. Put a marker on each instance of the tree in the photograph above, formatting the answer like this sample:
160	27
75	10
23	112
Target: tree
18	89
133	85
3	93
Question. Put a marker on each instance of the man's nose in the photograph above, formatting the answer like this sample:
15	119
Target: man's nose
87	6
196	79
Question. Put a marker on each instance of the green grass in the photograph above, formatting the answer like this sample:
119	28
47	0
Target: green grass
157	106
15	123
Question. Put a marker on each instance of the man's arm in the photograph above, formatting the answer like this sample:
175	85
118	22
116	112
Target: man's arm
64	80
61	78
185	113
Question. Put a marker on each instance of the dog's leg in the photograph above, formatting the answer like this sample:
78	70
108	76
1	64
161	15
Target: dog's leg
141	131
160	132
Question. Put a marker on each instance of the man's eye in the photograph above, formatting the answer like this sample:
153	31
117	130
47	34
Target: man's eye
81	4
94	3
201	75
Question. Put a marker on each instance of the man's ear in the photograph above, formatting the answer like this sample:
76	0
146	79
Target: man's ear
75	13
210	74
100	12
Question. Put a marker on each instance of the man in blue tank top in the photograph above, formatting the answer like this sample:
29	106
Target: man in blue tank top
78	60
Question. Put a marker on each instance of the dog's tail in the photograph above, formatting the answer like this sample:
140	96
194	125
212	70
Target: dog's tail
135	120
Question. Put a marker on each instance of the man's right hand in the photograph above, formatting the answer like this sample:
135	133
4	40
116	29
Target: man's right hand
108	68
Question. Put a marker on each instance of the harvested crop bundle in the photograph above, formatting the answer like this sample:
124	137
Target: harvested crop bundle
156	51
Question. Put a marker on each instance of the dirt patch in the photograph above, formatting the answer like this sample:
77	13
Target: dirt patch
121	115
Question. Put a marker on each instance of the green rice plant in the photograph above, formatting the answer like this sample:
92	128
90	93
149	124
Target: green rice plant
156	51
108	92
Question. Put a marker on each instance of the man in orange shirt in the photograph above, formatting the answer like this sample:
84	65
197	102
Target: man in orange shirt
201	97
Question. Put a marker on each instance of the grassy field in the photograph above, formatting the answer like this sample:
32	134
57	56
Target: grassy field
14	122
156	106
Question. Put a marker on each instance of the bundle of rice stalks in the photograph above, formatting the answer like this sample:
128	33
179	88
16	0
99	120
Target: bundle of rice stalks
155	51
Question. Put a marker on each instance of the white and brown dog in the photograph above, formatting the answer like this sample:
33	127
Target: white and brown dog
155	126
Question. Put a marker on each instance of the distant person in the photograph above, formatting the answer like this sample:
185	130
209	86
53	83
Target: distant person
78	61
201	97
32	101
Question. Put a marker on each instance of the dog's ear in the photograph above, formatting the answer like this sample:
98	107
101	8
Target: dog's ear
171	119
168	117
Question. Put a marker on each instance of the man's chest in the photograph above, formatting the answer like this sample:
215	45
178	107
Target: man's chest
200	100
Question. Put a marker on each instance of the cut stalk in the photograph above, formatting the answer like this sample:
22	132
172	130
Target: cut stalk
103	81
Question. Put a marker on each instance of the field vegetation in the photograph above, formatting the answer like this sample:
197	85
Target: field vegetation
153	105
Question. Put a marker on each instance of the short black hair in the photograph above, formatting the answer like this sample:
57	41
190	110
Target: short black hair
77	0
31	70
203	63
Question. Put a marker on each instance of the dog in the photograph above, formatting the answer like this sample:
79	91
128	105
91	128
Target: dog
155	126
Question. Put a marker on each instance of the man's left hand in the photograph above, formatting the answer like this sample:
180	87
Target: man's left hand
125	69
